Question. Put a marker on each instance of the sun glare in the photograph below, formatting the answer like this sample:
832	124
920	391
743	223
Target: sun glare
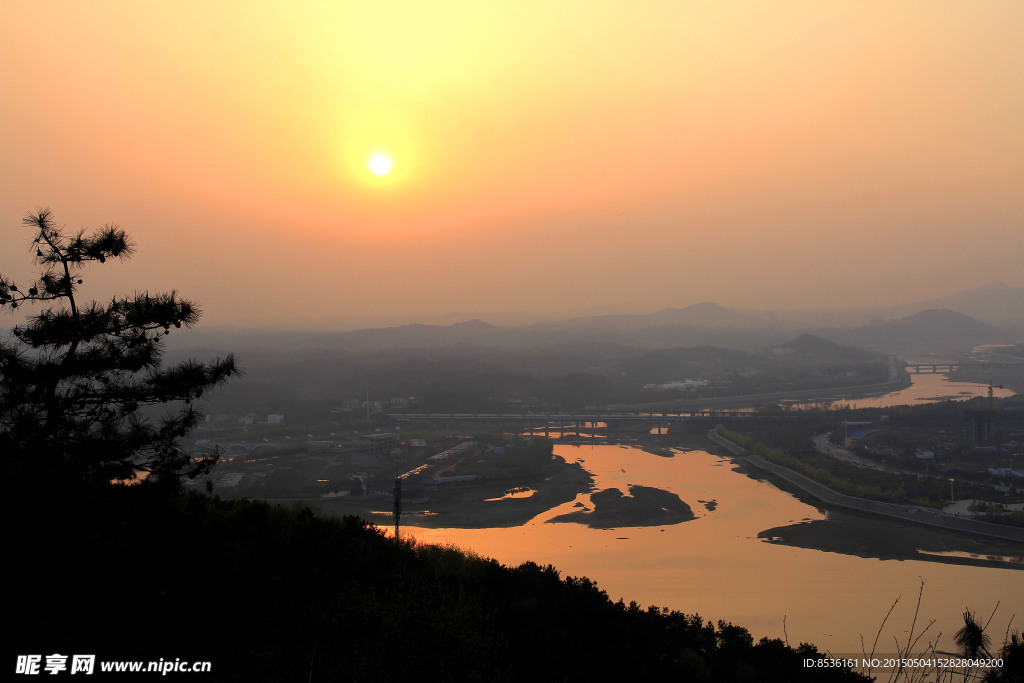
380	165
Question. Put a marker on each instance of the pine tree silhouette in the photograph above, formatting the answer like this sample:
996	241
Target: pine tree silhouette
74	376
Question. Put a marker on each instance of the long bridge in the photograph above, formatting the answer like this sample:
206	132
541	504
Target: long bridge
651	417
950	366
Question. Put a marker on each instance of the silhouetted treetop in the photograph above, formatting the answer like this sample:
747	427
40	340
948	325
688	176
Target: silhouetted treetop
74	376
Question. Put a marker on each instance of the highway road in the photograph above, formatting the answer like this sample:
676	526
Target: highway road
907	512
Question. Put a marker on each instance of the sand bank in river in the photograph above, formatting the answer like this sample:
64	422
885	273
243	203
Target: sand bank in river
644	506
863	535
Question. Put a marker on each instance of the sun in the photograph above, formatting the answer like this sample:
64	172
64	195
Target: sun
380	165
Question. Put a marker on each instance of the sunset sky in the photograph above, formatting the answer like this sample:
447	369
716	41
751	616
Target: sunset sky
546	157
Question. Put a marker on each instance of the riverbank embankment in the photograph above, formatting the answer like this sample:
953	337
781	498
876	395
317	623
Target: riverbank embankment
909	513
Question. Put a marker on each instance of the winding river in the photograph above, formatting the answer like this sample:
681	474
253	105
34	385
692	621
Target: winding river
716	565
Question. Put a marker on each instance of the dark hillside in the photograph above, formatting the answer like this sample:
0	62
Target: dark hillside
275	594
809	346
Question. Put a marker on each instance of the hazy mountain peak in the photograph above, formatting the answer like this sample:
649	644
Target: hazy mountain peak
812	345
705	306
994	302
474	324
941	316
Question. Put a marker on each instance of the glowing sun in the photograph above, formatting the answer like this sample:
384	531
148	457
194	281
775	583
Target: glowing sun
379	164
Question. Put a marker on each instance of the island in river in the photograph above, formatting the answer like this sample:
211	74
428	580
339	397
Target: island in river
644	506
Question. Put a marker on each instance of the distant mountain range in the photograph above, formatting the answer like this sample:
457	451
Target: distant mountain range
995	303
704	314
931	331
993	313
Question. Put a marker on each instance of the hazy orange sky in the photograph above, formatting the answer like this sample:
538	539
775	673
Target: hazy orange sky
549	157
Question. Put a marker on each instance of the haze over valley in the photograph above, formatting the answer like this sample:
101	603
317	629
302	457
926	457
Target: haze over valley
514	341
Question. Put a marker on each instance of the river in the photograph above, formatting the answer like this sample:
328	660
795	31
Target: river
716	565
925	388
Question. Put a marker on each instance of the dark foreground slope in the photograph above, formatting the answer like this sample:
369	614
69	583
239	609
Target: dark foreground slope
277	594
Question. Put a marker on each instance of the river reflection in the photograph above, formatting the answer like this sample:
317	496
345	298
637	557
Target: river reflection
926	388
716	566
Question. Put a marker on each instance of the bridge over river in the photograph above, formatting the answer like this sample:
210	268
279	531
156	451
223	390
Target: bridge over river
951	366
624	421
